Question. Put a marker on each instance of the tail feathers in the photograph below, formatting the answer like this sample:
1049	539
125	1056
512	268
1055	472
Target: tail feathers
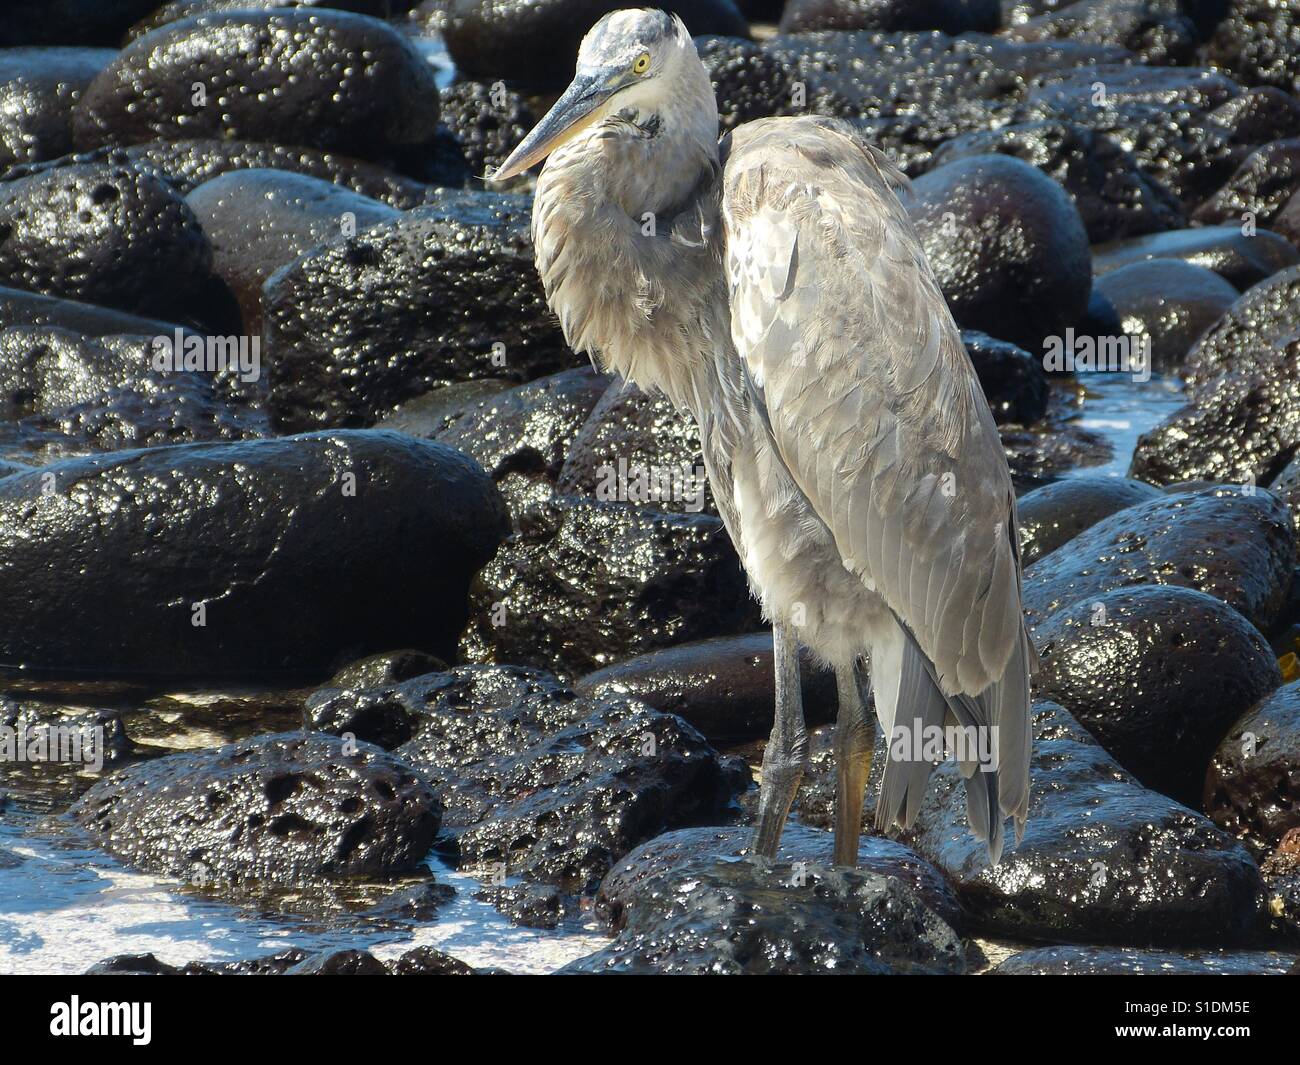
997	782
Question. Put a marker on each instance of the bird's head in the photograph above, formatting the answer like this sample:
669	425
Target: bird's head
636	59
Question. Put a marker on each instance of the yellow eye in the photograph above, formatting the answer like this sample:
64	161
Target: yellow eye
642	63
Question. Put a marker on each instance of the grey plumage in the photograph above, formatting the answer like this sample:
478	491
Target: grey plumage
773	286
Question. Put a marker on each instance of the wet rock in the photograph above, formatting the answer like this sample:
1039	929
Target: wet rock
1157	675
1007	246
258	220
1281	871
1235	546
949	16
1102	859
187	164
445	293
339	81
527	905
181	9
583	584
1259	189
724	687
799	844
1165	116
418	903
526	430
1058	512
108	234
909	92
1243	427
1158	31
426	961
538	781
228	560
63	394
266	965
1169	301
70	21
488	121
1243	260
391	667
1130	961
340	963
1259	42
284	809
38	87
132	965
1287	223
1252	331
635	448
1114	197
1013	381
1252	789
491	40
751	916
91	738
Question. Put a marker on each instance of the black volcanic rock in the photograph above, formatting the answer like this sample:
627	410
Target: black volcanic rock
1058	512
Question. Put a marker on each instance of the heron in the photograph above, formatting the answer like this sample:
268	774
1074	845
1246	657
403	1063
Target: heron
772	285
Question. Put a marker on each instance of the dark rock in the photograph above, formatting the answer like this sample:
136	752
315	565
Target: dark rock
417	903
1241	259
70	21
285	809
1158	31
132	965
1114	197
340	963
1252	331
19	308
1259	42
1260	188
108	234
446	293
38	87
1234	545
1102	859
526	430
1287	223
949	16
1168	301
426	961
391	667
1243	427
527	905
910	92
96	738
341	82
182	9
1006	245
751	916
266	965
258	220
1013	381
1130	961
799	845
63	393
1253	787
1281	871
488	121
187	164
1157	675
583	584
544	783
534	42
635	448
1058	512
289	563
724	687
1164	115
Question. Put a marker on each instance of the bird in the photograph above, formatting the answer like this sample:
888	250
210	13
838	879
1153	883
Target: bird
771	284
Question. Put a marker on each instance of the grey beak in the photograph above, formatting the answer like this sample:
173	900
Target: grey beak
572	113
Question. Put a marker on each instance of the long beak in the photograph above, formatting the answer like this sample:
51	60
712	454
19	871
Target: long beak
572	113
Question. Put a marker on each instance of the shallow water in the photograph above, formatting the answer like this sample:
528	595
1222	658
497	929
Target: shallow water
1121	410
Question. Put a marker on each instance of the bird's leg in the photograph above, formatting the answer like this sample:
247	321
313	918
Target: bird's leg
855	738
787	747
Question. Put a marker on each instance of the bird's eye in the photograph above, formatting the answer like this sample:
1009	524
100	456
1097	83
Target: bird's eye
642	63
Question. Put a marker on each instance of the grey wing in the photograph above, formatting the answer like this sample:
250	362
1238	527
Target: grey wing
874	408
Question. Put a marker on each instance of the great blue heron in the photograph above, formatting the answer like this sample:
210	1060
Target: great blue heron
773	286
